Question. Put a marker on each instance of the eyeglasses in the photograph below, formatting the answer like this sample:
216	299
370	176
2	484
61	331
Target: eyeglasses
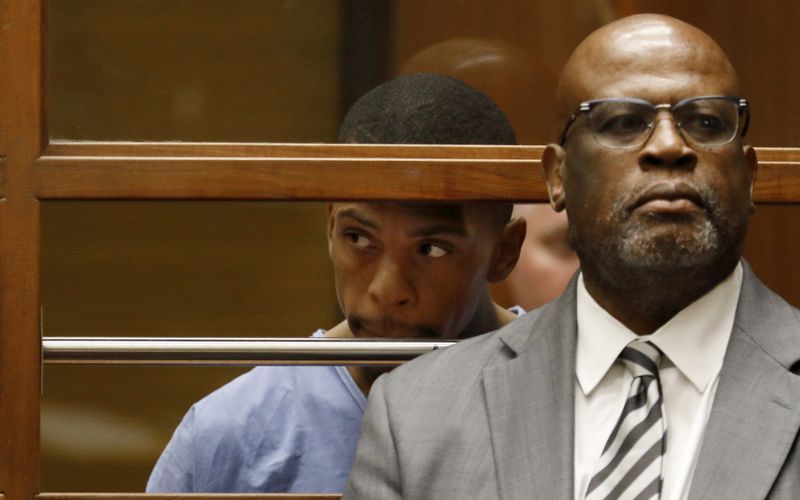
628	122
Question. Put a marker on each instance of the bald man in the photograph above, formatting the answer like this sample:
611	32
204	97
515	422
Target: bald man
666	369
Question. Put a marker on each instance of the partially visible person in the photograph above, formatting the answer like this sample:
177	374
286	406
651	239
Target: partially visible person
522	85
546	262
401	270
514	77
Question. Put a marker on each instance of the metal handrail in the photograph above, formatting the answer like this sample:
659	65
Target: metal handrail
233	351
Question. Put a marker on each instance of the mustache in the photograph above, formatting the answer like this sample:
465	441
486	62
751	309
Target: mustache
376	326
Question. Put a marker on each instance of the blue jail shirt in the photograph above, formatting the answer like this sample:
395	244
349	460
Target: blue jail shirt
274	429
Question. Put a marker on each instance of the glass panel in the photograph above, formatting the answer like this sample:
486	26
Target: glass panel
103	427
163	269
195	70
279	70
283	70
198	269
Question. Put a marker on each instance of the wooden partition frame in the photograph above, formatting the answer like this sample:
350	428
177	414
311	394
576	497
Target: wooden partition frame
34	170
20	102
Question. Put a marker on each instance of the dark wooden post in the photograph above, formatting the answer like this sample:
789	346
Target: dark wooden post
21	107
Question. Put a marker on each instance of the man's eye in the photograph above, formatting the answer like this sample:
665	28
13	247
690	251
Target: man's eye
432	250
705	122
358	240
624	123
706	127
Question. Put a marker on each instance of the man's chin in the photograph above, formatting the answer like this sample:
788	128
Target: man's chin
389	330
678	242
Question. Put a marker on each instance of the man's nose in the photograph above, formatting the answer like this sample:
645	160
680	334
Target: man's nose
666	147
392	284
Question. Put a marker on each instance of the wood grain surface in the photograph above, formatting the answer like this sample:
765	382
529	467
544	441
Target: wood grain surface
231	172
21	103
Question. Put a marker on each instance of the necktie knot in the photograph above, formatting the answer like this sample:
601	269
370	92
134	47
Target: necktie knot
641	358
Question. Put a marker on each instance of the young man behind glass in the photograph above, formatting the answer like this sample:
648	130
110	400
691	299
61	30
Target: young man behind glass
401	270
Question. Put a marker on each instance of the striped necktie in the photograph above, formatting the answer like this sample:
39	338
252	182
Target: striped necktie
631	463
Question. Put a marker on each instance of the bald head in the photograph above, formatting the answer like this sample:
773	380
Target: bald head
650	51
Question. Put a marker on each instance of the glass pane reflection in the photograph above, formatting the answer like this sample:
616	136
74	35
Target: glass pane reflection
195	70
195	269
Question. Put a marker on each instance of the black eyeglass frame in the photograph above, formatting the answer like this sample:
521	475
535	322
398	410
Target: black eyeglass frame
743	108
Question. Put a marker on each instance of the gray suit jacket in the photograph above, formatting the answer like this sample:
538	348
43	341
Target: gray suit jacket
492	417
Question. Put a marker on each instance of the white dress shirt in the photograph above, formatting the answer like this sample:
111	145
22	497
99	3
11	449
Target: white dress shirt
693	342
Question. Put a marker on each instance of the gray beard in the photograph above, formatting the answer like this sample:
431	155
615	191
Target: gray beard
660	270
637	246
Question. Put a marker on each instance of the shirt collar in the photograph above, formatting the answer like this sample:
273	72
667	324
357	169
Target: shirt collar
694	340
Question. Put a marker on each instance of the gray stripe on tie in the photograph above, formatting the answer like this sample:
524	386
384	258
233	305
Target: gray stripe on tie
652	489
653	417
633	474
632	404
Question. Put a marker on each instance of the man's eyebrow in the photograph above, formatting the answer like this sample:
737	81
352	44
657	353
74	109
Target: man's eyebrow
353	214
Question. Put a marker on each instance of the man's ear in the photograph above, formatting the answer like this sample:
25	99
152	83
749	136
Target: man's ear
553	164
752	166
507	249
331	220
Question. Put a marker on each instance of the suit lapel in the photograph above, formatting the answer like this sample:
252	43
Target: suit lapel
530	404
756	413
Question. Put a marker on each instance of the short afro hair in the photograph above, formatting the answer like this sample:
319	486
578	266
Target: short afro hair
425	108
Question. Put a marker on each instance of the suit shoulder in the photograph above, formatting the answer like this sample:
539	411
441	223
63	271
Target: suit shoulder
467	358
769	321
